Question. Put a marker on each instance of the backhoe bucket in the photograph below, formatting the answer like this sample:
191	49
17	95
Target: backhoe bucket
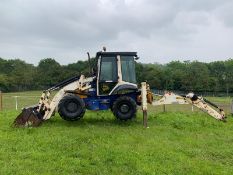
29	117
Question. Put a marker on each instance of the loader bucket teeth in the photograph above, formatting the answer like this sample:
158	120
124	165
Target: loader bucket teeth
29	117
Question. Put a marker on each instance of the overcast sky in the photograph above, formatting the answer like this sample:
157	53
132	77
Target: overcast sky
159	30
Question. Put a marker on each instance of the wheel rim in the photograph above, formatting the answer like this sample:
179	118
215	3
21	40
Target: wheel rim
124	108
72	107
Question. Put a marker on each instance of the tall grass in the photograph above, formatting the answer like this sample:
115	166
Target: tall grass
176	142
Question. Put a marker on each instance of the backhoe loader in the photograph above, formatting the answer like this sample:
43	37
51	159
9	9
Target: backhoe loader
112	85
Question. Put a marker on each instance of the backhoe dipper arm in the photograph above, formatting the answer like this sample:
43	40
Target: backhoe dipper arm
205	105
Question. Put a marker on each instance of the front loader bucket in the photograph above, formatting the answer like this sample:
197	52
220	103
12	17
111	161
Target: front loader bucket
29	117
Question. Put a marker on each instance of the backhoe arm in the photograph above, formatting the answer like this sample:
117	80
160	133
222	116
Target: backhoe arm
201	103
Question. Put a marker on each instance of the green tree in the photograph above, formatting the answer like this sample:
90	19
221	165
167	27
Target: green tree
49	72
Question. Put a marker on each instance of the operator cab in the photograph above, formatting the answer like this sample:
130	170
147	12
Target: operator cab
116	72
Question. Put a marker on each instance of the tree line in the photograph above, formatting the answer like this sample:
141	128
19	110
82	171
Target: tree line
17	75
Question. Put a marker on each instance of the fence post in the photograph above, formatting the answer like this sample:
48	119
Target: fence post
232	107
16	102
144	103
1	101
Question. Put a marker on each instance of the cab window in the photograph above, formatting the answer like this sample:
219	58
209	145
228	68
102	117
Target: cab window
128	69
108	70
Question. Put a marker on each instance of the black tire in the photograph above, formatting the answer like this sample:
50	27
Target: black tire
71	107
124	108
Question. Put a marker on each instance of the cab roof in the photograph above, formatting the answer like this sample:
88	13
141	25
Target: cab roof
116	53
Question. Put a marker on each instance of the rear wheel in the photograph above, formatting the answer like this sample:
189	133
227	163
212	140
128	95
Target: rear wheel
71	107
124	108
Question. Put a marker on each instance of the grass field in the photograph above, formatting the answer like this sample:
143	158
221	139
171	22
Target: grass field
176	142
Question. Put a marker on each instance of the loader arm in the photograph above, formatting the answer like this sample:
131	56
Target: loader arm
49	106
34	115
201	103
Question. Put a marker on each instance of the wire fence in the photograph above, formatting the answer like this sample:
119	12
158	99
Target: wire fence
17	101
1	100
204	94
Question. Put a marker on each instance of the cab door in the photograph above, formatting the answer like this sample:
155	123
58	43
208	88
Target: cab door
108	76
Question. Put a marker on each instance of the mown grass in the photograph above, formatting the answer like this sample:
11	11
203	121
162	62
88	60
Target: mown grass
220	99
23	99
175	143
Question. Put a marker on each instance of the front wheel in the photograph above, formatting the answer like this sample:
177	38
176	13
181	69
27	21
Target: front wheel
71	107
124	108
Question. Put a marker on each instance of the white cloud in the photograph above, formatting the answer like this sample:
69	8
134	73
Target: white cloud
159	30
